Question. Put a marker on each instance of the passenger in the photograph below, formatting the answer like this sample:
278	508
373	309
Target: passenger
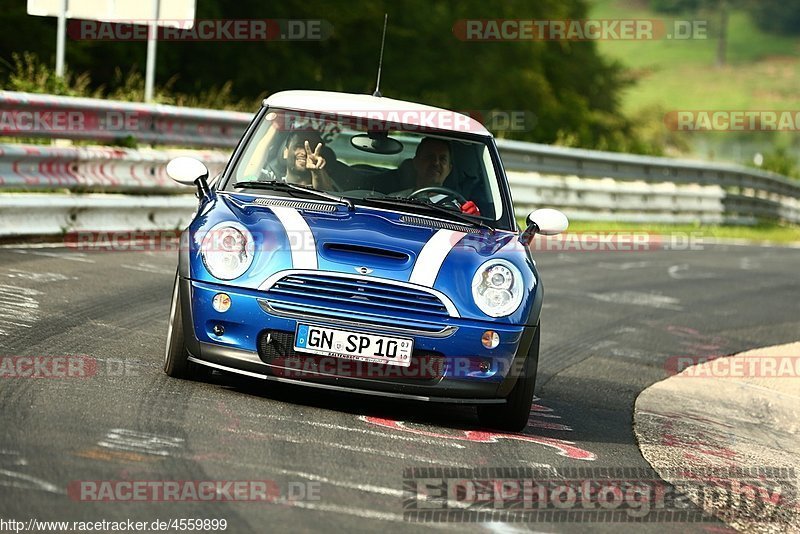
305	166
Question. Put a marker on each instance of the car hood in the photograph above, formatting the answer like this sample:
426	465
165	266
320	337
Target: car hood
394	245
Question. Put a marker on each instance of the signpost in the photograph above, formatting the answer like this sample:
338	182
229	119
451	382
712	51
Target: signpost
154	13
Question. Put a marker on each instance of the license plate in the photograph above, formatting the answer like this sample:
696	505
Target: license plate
354	345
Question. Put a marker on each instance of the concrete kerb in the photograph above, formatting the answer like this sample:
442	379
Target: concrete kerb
736	413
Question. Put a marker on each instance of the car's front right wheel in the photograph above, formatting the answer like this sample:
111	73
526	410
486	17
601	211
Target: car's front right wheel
513	415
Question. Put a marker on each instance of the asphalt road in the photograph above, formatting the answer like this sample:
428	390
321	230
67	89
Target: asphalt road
611	321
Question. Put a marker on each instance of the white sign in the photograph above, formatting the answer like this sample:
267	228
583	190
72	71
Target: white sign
171	13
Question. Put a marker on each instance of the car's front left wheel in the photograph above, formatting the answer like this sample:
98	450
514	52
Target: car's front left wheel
176	363
175	358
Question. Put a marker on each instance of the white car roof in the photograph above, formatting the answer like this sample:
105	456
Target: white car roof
379	107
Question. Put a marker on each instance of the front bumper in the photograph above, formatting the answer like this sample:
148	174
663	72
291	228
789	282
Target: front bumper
455	344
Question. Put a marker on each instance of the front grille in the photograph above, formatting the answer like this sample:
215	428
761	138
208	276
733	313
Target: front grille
371	296
276	347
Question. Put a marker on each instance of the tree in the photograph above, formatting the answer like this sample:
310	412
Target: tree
572	91
776	16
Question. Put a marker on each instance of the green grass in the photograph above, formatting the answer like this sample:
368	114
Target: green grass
765	232
772	233
763	70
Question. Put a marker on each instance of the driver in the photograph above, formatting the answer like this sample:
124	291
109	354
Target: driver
432	163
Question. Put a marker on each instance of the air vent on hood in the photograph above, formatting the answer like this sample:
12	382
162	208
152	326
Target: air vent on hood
347	248
433	223
297	204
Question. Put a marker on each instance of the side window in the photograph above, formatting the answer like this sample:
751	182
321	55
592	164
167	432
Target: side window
494	187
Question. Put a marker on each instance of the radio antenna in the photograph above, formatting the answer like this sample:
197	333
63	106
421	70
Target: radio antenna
380	61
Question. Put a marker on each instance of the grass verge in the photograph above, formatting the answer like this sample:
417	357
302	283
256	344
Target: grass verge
772	233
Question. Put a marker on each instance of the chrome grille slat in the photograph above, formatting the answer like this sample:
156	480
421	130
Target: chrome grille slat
285	286
372	288
354	301
306	312
387	288
373	296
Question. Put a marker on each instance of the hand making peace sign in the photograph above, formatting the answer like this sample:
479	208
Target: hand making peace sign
314	160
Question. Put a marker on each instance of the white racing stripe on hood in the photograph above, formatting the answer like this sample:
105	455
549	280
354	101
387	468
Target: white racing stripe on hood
301	240
432	256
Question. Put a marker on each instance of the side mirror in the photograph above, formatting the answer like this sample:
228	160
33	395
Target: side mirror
544	221
189	171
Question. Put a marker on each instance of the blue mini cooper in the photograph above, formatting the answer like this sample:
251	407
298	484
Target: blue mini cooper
363	244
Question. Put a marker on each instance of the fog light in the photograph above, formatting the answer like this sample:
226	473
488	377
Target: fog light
218	329
490	339
485	366
221	302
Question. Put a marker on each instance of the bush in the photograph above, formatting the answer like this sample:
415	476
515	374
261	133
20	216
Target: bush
782	162
30	75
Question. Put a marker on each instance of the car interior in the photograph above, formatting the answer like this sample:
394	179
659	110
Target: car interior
356	178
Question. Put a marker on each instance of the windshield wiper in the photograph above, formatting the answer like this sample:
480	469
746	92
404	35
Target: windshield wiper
407	201
278	185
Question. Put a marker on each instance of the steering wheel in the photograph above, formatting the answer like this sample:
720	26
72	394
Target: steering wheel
449	194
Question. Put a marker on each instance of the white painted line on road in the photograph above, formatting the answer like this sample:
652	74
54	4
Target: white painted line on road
358	512
364	513
18	308
72	256
32	245
676	270
148	268
749	264
32	482
355	448
504	528
369	488
361	431
636	298
16	460
624	266
142	442
747	243
39	277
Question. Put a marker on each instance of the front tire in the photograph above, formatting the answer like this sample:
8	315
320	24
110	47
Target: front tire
176	363
513	415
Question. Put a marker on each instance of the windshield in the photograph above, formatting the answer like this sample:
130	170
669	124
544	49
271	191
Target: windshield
351	159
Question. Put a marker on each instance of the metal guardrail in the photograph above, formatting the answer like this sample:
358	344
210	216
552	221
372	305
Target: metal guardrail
585	183
748	194
23	214
98	169
30	115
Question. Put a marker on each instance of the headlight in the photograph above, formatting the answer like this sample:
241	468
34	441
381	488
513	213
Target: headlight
227	250
497	288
